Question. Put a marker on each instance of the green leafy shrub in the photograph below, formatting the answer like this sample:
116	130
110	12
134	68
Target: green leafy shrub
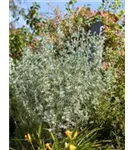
61	92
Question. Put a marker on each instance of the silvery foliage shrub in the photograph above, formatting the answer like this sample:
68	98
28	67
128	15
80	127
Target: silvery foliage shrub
61	92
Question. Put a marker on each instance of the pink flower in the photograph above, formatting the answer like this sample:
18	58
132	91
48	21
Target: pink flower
122	53
35	39
106	65
103	13
123	21
92	13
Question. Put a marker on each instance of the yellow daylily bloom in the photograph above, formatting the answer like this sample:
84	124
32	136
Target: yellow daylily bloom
66	145
72	147
75	135
69	134
48	146
28	137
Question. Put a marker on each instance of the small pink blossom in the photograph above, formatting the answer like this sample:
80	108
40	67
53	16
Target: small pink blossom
123	21
103	13
106	65
122	53
93	13
35	39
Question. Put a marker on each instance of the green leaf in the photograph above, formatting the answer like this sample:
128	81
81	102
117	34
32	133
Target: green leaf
40	130
89	134
56	142
70	2
80	20
28	22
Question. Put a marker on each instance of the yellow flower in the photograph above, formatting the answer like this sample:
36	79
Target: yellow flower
75	135
72	147
48	146
66	145
69	134
28	137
